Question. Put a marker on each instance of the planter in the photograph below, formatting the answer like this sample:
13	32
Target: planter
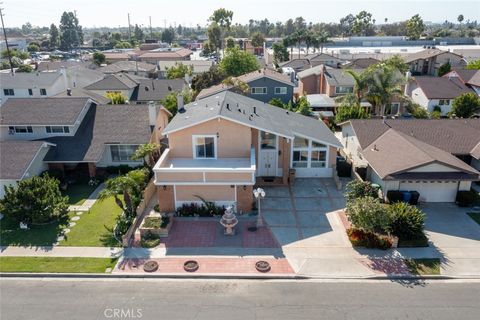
262	266
158	232
191	266
150	266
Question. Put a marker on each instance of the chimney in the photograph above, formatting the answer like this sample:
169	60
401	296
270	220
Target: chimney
69	92
152	113
180	103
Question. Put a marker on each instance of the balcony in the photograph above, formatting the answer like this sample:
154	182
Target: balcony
188	171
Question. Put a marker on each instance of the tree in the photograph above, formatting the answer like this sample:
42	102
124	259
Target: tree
417	111
473	65
27	28
123	45
320	39
229	42
25	68
398	63
215	37
359	189
138	33
415	27
360	85
32	47
237	62
168	35
257	39
303	106
116	98
179	70
460	18
350	111
368	214
212	77
71	34
280	53
236	85
35	200
407	222
362	25
346	24
444	69
98	58
148	153
170	100
465	105
130	186
223	19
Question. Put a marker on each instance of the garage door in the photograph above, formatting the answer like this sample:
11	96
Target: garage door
434	191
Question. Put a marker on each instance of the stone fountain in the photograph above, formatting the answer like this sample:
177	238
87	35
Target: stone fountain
229	221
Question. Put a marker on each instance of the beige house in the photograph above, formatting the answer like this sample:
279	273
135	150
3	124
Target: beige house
223	145
428	61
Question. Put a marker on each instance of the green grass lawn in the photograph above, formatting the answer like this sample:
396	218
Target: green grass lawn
56	264
475	216
78	193
91	229
424	266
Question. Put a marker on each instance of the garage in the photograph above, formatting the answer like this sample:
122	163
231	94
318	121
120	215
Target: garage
432	191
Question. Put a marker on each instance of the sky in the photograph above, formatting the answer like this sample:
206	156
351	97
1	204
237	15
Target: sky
112	13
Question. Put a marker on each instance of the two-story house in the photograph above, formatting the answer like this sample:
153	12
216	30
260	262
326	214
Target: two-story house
428	61
222	145
263	85
120	82
471	78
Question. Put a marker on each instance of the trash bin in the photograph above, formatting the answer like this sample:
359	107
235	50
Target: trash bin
406	196
291	176
415	195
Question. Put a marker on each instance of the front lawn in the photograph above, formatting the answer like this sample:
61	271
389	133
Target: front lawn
91	229
78	193
422	267
55	264
475	216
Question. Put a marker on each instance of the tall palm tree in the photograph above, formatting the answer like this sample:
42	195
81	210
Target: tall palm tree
322	39
384	82
288	43
361	84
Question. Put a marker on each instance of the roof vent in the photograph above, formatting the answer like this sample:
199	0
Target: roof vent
228	107
251	117
239	110
146	88
254	110
169	88
374	148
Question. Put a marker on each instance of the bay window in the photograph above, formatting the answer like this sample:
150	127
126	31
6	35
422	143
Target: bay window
308	154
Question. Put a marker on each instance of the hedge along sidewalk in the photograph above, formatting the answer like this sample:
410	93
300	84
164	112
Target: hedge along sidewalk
56	264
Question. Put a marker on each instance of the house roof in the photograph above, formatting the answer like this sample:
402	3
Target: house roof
16	157
239	108
320	100
156	89
467	76
163	53
29	80
56	65
441	88
82	93
42	111
296	64
120	81
103	124
425	54
317	70
198	65
361	63
456	136
395	153
338	77
320	57
116	56
128	66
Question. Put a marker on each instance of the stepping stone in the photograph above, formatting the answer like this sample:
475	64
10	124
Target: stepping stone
79	213
75	218
71	224
60	238
65	231
108	270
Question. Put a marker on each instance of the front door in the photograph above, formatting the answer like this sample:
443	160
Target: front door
267	154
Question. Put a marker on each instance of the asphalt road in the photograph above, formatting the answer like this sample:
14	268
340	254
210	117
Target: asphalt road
222	299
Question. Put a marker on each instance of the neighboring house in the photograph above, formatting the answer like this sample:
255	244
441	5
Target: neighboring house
325	80
78	74
222	145
264	85
324	59
428	61
471	78
33	85
57	65
82	135
138	68
112	57
432	92
360	63
198	66
83	93
122	83
437	158
156	89
297	65
21	160
165	54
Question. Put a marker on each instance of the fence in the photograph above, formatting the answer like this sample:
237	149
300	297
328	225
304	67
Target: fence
148	193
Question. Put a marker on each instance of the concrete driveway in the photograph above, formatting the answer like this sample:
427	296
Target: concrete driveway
455	236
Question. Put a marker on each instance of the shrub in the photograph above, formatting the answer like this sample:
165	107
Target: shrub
361	238
156	222
407	222
206	209
360	189
156	208
437	109
465	198
368	214
150	240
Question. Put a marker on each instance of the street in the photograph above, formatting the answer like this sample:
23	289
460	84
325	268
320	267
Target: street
237	299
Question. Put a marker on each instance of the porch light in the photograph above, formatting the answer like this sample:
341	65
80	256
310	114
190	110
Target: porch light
244	188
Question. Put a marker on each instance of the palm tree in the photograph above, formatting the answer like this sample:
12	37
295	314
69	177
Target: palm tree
322	39
360	86
383	83
128	185
288	43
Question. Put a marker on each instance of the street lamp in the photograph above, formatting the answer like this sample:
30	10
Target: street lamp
259	193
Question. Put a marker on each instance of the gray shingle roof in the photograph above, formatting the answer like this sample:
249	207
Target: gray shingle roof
198	65
471	77
338	77
16	156
240	109
395	153
82	93
128	66
441	88
104	124
42	111
425	54
28	80
120	81
157	89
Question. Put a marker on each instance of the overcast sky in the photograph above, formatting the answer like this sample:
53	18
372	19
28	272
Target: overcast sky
190	12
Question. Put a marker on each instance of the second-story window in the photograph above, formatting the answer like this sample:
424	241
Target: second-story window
20	129
343	90
258	90
204	147
8	92
43	92
57	129
280	90
30	92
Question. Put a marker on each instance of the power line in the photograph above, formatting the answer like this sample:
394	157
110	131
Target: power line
6	41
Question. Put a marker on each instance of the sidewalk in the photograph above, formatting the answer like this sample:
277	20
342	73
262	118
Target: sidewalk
90	201
56	251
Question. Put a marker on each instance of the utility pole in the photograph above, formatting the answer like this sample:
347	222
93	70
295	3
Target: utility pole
6	41
151	33
129	29
164	24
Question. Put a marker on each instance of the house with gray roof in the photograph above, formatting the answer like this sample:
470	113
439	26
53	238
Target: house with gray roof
264	85
428	61
222	145
156	89
120	82
137	68
471	78
436	158
81	135
198	66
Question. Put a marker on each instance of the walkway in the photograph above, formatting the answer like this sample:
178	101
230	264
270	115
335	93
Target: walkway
90	201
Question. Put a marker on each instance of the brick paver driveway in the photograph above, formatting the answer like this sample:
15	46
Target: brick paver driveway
304	214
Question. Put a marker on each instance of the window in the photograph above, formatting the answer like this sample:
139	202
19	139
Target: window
30	92
57	129
123	152
300	159
258	90
43	92
204	147
394	108
308	154
280	90
268	140
20	129
444	102
319	159
343	90
8	92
